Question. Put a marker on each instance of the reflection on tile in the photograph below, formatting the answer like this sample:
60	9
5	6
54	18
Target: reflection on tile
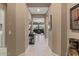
40	48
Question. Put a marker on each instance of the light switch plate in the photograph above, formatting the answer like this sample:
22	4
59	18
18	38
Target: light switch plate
10	32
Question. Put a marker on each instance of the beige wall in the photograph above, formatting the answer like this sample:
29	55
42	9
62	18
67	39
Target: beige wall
63	29
17	21
58	34
22	22
55	34
61	32
10	26
70	33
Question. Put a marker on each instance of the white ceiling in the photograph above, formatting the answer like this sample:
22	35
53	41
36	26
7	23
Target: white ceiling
38	20
38	4
43	10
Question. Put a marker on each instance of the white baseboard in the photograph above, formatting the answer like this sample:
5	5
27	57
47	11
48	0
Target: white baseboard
54	53
23	54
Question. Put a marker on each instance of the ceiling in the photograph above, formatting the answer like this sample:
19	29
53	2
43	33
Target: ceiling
43	10
38	4
38	8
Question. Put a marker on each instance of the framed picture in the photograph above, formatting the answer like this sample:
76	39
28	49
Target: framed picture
74	17
73	49
50	22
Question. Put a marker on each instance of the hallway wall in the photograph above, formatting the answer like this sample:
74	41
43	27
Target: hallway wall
10	29
64	29
17	15
58	34
22	23
71	33
55	33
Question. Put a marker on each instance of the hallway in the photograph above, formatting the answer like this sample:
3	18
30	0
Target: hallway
40	48
45	24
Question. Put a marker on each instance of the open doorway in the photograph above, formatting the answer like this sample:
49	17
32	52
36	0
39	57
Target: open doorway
37	27
38	44
3	49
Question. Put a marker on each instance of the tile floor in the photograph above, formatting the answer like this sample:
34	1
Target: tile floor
40	48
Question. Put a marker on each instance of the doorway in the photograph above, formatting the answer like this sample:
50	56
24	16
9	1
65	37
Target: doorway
3	49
